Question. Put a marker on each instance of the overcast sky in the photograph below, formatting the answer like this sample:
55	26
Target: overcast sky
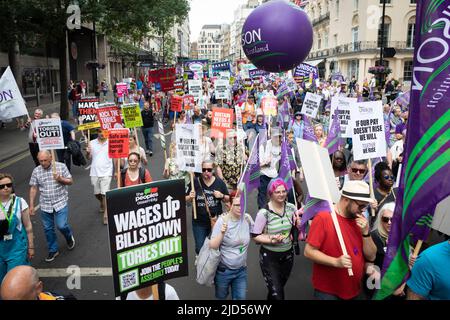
210	12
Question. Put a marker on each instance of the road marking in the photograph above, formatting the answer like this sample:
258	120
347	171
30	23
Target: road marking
15	159
65	272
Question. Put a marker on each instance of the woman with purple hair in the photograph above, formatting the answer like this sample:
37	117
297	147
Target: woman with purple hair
272	229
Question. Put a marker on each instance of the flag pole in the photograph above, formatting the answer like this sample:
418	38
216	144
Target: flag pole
248	160
194	208
371	186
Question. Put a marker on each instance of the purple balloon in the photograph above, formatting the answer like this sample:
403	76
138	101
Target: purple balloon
277	36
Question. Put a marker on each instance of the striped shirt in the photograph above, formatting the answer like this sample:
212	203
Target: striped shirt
271	223
53	195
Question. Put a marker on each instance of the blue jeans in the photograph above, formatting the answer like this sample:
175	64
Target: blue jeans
148	136
200	231
236	278
48	220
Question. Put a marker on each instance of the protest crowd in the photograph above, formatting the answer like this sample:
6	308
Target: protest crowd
237	135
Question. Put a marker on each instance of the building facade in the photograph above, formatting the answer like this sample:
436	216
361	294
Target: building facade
347	37
210	42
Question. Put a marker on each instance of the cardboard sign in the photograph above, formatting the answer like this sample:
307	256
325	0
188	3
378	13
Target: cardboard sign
195	89
179	84
87	113
222	120
311	104
165	77
118	143
344	105
162	137
221	89
189	157
122	89
109	118
269	106
147	234
11	102
49	134
368	134
132	116
176	104
188	102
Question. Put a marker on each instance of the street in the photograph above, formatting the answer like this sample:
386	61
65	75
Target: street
91	253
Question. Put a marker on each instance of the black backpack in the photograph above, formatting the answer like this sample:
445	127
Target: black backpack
141	175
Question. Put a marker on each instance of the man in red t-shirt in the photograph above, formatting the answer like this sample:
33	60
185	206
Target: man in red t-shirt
331	280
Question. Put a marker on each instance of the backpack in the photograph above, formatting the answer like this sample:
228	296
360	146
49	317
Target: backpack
141	175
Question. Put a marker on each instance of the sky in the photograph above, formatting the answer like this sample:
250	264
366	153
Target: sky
210	12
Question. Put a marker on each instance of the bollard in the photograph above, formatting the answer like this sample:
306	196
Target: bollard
53	94
38	97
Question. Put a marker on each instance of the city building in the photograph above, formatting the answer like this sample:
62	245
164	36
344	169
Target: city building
181	34
347	37
194	50
210	42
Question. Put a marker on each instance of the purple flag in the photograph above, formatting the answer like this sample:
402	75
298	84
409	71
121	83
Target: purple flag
283	114
334	141
403	100
292	162
371	94
387	131
308	130
285	166
425	179
242	97
188	117
328	105
312	207
250	177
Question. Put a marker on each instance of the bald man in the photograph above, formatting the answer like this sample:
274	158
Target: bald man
21	283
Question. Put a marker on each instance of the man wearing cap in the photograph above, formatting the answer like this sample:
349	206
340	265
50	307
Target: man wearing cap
330	278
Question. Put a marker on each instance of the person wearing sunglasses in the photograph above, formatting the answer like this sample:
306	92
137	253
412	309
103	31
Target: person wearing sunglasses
16	230
212	189
357	170
232	235
339	167
385	192
135	174
330	277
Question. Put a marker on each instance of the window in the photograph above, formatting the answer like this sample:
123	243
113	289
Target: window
387	28
410	36
335	40
325	40
353	69
337	8
407	70
412	1
319	43
387	1
355	38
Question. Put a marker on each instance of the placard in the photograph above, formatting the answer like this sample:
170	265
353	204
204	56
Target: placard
132	116
118	143
87	113
311	104
147	234
222	120
221	89
189	156
195	88
109	118
49	134
344	105
269	106
368	134
188	102
122	89
176	104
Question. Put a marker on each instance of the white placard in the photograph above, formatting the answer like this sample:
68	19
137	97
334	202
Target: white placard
195	88
367	125
221	89
311	104
189	157
11	101
238	112
441	219
318	171
49	134
162	137
344	105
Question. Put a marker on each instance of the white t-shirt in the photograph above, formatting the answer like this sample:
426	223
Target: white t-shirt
269	153
171	294
101	165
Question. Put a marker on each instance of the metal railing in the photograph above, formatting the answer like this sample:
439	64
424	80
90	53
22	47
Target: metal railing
321	19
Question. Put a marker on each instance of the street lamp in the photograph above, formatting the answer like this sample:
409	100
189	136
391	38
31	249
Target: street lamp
382	43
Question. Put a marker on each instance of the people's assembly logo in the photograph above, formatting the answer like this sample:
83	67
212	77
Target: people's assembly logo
147	196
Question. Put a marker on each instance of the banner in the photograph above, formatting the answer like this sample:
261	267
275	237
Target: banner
368	135
269	106
197	67
12	104
132	116
165	77
222	120
189	156
118	143
337	76
304	71
122	89
256	74
147	234
344	105
221	89
195	89
311	104
109	118
217	67
176	104
49	134
87	113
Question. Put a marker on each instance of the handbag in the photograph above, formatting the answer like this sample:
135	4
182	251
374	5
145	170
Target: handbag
207	262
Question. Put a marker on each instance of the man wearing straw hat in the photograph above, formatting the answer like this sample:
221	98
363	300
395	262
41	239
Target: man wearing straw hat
331	280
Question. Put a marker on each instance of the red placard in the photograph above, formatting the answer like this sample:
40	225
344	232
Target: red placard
165	77
118	143
188	100
109	118
176	103
222	120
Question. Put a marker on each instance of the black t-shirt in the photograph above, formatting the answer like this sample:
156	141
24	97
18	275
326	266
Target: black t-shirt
214	204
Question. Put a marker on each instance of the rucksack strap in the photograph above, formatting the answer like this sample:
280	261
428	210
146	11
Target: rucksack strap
162	290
